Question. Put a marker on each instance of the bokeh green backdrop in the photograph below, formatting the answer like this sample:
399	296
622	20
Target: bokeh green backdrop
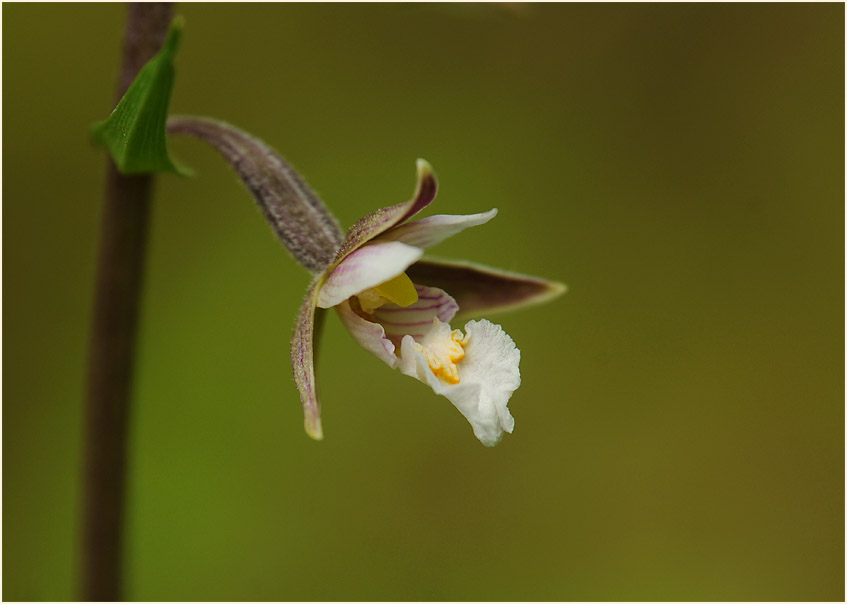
680	427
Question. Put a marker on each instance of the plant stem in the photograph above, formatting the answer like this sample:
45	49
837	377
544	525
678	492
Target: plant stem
120	267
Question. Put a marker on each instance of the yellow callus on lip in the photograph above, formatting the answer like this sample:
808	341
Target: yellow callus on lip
400	290
443	356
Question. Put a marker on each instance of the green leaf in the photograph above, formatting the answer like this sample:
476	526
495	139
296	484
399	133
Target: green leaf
135	131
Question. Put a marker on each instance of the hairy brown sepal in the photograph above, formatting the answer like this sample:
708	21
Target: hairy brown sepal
297	215
481	289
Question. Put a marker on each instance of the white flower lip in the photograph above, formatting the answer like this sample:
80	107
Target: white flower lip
488	375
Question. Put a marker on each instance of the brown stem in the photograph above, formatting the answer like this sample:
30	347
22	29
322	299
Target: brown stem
120	267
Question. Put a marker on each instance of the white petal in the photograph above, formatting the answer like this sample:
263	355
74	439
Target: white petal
369	335
368	266
430	231
488	375
416	319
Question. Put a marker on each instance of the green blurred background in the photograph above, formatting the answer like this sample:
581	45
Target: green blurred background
680	427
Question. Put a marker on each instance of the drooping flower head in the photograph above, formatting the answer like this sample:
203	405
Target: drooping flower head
395	303
398	306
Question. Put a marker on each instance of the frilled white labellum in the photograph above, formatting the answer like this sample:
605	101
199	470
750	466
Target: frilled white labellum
477	372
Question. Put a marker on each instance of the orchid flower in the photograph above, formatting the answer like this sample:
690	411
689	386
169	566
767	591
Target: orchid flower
395	303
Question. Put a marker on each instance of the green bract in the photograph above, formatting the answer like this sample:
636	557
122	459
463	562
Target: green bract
135	131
